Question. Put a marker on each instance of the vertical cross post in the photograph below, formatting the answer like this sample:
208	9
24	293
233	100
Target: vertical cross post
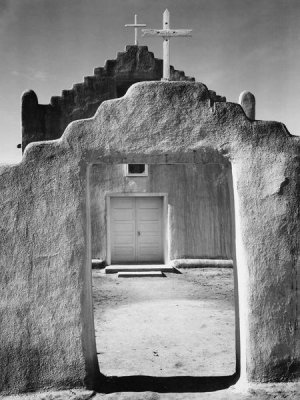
166	47
135	30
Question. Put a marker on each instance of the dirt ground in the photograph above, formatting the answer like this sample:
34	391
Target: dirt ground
173	329
180	325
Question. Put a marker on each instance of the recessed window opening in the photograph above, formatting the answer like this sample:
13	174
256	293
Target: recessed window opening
136	169
175	318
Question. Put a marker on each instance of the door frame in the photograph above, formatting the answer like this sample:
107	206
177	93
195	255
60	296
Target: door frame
165	229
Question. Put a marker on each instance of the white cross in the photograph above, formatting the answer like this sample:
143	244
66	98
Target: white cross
135	26
166	33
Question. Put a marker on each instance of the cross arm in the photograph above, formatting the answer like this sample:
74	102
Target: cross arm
135	25
167	32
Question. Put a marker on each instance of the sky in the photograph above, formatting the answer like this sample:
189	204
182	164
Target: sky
236	45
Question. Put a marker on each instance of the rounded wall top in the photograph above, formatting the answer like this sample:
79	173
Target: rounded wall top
247	101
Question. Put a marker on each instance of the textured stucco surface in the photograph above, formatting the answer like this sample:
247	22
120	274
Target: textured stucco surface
47	335
200	217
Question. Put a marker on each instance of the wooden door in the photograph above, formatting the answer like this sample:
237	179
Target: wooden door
136	229
149	241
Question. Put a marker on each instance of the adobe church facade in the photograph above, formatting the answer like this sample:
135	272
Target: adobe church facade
47	122
141	213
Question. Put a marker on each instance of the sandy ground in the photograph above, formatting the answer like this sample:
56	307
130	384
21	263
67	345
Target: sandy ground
167	334
180	325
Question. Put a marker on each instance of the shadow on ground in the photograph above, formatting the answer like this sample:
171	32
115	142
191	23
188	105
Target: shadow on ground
173	384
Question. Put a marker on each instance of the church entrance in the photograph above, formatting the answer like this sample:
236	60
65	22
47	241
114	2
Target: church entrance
135	229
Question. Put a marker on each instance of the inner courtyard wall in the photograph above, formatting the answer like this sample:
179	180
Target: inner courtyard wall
199	212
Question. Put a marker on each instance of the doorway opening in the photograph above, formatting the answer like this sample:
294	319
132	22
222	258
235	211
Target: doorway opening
151	331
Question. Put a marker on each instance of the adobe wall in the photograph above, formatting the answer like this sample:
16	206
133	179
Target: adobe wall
47	333
200	220
48	121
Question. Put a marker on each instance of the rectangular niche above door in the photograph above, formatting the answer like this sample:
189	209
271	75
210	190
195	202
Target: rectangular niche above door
136	170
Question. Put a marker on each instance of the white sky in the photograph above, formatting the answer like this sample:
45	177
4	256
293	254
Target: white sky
48	45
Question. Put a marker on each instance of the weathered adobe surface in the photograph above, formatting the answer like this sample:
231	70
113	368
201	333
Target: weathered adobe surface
47	333
48	121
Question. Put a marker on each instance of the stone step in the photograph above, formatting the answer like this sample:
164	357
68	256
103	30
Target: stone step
140	274
112	269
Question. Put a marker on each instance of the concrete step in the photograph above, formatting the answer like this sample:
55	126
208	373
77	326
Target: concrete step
201	263
112	269
140	274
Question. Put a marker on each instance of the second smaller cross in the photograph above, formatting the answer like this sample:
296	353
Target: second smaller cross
135	26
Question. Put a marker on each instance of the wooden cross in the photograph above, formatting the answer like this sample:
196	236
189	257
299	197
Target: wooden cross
135	26
166	33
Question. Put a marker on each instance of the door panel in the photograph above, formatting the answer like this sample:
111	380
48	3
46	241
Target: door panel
123	202
123	232
123	214
149	229
136	229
